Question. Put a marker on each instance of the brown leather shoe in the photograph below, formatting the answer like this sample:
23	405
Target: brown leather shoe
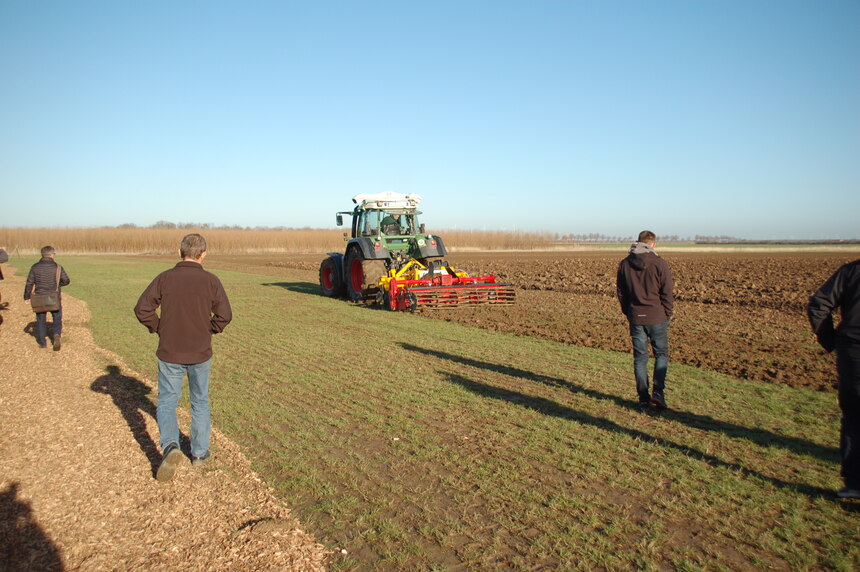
57	343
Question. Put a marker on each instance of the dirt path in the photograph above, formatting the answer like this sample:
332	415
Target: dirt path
78	449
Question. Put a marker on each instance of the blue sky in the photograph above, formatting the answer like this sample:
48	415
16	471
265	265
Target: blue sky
688	117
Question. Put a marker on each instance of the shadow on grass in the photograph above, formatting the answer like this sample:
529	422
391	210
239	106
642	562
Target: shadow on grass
24	545
129	394
758	436
549	407
299	287
850	506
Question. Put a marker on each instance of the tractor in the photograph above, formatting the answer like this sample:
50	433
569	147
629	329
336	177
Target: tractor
392	261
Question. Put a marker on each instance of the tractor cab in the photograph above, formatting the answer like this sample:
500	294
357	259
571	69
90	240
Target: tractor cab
389	221
385	223
386	214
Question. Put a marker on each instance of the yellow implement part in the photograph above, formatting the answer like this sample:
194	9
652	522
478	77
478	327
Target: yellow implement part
410	271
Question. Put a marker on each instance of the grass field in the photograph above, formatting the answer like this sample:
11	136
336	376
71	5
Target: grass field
421	444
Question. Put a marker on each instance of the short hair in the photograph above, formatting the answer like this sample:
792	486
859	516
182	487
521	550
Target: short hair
192	246
647	237
48	251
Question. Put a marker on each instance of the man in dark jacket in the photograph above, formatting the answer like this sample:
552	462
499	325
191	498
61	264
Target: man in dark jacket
193	306
842	292
645	290
42	279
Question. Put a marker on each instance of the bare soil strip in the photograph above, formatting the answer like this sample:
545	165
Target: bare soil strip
78	450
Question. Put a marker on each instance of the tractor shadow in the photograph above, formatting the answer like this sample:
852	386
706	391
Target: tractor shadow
760	437
131	396
298	287
312	289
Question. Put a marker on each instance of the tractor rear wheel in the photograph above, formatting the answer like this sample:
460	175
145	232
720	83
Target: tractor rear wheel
330	282
362	276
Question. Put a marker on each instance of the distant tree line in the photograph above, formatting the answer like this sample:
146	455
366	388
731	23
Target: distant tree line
167	225
598	237
701	239
704	239
592	237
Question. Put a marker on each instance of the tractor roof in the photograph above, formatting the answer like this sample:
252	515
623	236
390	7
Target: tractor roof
387	200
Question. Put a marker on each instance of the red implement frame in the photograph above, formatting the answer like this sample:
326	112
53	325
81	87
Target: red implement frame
447	291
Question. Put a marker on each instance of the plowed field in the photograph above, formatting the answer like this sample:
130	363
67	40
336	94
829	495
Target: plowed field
741	313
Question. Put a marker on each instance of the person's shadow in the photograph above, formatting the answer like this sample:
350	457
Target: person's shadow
23	543
130	395
30	329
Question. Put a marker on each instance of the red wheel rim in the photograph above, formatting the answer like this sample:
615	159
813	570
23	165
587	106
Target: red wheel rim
356	275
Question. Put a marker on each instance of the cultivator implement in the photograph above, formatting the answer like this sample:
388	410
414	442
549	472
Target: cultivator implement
415	286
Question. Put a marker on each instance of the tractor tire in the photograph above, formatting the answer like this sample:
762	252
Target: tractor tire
330	283
362	276
354	274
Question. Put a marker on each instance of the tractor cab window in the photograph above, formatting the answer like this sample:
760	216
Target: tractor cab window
398	224
392	224
368	223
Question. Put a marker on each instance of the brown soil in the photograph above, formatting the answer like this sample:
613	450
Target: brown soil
78	450
739	313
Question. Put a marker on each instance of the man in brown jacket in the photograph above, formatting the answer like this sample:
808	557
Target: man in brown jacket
645	291
193	306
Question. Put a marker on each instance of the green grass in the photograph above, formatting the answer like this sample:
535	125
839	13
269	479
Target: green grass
422	444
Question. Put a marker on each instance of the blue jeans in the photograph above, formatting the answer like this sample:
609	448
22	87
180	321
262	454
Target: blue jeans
169	390
658	334
42	325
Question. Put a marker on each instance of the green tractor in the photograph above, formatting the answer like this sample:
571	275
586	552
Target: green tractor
391	260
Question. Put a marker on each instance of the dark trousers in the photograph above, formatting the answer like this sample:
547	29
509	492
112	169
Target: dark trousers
658	335
42	325
848	366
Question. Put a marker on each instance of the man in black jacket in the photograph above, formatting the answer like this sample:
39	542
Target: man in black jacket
645	290
43	278
842	292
